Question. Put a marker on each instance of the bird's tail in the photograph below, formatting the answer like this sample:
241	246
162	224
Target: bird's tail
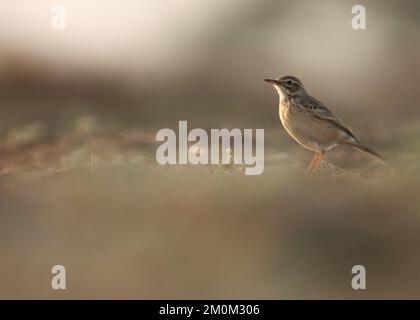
364	148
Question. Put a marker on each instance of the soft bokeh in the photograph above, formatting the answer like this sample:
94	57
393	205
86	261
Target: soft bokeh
79	184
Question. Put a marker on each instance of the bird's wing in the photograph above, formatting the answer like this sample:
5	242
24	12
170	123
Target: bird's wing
318	110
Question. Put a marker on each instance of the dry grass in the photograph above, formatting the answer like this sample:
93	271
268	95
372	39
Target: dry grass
127	228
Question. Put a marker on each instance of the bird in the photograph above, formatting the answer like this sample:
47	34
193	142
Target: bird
309	122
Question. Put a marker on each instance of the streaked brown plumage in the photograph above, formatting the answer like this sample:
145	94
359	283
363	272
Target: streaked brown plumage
311	123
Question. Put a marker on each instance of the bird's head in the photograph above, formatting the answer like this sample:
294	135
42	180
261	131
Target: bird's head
286	85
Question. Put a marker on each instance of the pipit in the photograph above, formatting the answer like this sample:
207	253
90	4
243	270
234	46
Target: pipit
311	123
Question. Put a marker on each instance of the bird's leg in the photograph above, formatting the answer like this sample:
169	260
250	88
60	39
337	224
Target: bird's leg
310	169
318	161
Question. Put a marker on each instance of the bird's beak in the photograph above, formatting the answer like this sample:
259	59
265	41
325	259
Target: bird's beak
275	82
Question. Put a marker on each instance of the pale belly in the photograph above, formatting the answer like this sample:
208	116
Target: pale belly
307	131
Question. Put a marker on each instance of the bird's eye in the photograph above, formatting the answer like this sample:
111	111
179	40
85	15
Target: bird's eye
289	82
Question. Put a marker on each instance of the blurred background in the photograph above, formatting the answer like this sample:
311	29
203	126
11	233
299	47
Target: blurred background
79	184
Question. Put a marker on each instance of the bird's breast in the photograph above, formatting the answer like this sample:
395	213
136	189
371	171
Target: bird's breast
306	130
287	114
